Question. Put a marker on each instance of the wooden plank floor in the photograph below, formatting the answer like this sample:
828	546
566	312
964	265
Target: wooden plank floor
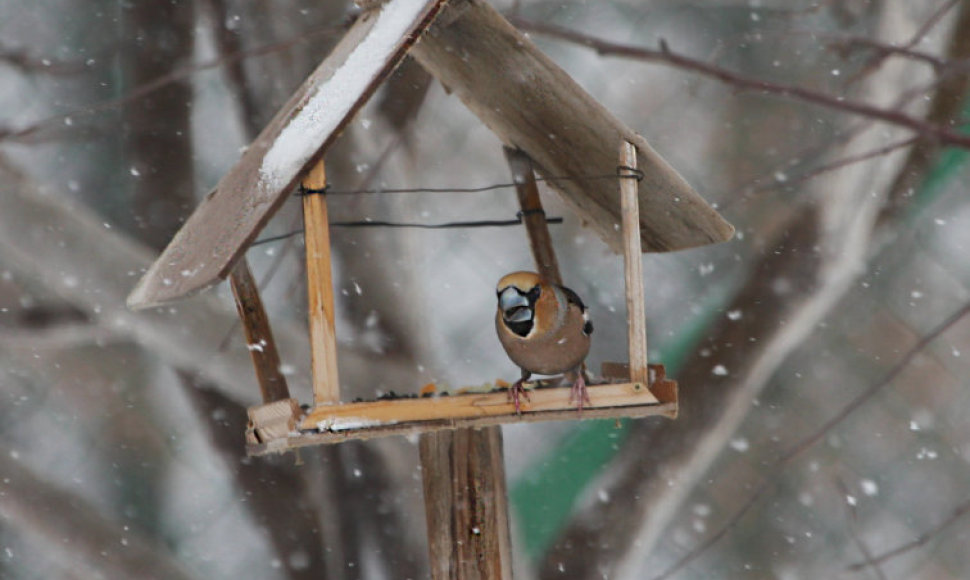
325	424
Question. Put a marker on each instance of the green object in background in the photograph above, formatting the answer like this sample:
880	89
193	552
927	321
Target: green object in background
948	162
544	499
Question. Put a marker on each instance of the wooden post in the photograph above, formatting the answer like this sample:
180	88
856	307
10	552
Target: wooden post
633	266
323	338
533	216
259	336
466	504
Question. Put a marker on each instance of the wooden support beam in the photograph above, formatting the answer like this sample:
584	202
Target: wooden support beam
466	504
632	264
259	335
323	338
533	215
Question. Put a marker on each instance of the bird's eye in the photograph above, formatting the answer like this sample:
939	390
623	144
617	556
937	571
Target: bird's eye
533	294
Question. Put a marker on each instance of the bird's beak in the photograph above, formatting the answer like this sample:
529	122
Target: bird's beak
510	298
514	306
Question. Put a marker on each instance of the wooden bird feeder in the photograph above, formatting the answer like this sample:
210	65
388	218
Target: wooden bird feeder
546	120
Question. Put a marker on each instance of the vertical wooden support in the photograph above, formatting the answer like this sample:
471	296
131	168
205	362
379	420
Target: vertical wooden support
466	504
323	338
533	216
259	336
633	266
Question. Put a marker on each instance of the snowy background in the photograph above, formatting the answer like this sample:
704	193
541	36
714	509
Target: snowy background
122	448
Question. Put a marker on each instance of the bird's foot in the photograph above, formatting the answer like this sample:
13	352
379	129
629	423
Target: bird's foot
579	393
516	393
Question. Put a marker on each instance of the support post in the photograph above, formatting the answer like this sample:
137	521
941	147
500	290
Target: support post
533	216
259	336
633	266
466	504
323	338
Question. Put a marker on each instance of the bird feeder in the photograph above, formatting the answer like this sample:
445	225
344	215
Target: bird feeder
546	121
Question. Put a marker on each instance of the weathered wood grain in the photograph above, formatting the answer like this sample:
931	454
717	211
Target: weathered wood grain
632	265
259	335
533	216
466	504
320	301
348	416
325	424
231	216
309	438
533	105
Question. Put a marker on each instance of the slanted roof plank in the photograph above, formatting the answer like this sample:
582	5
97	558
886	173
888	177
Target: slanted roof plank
532	104
231	216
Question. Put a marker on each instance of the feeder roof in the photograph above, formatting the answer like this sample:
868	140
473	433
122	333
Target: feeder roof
527	100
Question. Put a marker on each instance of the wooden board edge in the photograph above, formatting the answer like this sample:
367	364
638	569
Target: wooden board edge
305	439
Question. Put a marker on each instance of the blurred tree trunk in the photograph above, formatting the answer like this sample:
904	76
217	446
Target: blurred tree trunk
809	259
158	40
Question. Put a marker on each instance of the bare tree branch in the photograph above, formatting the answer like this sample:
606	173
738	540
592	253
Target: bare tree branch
28	63
906	49
808	265
714	538
866	395
946	109
882	51
852	522
147	88
807	442
789	182
664	55
957	513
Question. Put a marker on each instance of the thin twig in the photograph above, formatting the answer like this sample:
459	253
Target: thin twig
866	395
930	23
826	168
876	61
852	518
666	56
960	511
163	81
813	438
762	488
23	60
884	50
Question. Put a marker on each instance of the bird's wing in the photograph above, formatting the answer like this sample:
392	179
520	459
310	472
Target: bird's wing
573	298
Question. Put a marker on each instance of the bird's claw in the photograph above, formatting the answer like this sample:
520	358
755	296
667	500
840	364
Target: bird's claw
516	393
579	394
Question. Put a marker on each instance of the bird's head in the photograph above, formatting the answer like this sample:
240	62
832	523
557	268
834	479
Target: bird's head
518	293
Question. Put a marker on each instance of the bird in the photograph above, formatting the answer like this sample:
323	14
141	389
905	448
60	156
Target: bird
545	329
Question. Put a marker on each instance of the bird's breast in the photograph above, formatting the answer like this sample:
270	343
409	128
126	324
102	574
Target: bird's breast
547	352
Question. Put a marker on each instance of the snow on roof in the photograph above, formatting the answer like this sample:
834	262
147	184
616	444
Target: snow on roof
334	100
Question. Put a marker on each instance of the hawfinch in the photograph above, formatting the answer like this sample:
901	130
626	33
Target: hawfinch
544	329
